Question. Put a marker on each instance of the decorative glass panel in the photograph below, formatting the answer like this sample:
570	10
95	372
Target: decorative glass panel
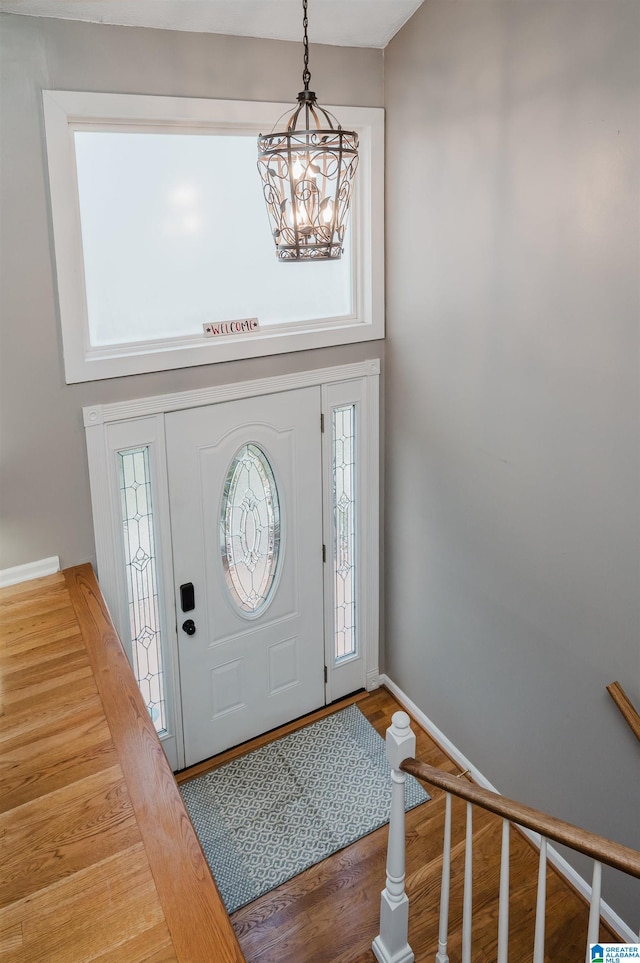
344	491
250	529
142	579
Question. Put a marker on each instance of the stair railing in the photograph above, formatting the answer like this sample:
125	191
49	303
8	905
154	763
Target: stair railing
626	707
391	945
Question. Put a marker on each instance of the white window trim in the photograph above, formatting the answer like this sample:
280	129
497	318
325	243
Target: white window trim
141	422
67	111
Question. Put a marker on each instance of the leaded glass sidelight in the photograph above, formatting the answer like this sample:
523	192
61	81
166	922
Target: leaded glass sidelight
142	579
344	560
250	529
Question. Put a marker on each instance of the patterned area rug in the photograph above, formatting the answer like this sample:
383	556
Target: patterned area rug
271	814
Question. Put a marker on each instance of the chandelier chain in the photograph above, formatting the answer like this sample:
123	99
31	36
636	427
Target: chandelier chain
306	74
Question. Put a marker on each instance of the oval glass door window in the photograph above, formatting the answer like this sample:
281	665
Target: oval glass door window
250	530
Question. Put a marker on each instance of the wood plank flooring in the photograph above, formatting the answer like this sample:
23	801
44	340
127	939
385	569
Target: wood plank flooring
329	914
99	859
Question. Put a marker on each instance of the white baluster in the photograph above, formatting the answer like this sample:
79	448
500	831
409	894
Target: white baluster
442	956
467	910
503	912
391	945
538	943
593	931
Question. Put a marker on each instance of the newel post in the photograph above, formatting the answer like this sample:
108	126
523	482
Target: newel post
391	945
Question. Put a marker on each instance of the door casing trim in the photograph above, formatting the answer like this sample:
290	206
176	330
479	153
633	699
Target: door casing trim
116	425
159	404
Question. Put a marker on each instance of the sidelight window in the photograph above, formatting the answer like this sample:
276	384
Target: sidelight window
142	579
344	518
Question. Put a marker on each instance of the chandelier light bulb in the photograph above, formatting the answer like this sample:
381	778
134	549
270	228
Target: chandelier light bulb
298	170
327	214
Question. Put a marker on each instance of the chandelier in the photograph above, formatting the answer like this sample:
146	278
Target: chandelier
307	172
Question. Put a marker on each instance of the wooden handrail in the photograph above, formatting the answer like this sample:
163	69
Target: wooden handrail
625	706
195	914
597	847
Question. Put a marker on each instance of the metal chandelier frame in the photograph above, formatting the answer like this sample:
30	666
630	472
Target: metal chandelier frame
307	175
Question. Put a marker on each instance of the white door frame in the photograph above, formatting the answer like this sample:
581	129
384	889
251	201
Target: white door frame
140	422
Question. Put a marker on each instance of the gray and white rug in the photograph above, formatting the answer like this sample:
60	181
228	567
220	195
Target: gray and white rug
271	814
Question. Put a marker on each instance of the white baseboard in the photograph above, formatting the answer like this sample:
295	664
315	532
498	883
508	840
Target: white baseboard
373	680
564	868
23	573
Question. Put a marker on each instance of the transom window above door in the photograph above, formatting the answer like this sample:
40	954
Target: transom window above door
160	229
175	235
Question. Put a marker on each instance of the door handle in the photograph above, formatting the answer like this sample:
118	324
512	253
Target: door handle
189	627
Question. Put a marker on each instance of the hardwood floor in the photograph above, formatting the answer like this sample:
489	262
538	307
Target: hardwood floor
99	858
99	861
329	914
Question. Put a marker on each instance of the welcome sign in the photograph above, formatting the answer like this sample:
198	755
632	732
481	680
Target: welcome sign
216	329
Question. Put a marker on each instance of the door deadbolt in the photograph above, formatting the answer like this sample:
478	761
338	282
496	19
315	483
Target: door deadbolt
189	627
187	597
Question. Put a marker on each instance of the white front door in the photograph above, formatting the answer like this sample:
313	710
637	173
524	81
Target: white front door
245	490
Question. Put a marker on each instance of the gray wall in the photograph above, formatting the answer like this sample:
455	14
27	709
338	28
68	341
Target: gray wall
512	385
44	488
512	351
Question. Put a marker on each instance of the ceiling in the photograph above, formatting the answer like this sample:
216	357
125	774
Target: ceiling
352	23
